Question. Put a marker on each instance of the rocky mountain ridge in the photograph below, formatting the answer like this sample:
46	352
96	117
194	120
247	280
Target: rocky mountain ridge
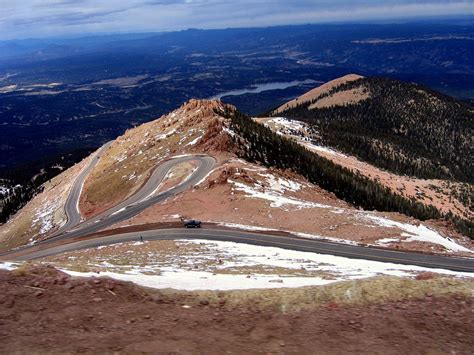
244	190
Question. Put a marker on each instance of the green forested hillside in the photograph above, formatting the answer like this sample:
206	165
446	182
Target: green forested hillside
401	127
265	146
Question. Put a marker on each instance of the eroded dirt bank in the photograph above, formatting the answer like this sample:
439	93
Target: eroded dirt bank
44	310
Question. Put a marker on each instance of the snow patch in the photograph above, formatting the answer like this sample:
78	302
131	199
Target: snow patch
165	135
8	266
4	190
118	211
194	141
419	233
288	123
281	185
44	216
183	155
385	241
120	158
320	148
229	132
299	268
331	239
245	227
277	200
299	234
205	177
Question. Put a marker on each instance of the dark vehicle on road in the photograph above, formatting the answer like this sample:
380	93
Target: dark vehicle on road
192	223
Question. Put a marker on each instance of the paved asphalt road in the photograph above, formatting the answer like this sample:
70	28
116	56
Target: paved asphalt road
145	197
72	203
285	242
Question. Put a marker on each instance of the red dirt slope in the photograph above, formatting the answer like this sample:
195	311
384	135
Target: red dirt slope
44	310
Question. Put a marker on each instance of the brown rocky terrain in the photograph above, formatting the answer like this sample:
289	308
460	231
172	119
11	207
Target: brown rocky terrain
104	315
45	311
236	191
222	197
193	128
309	209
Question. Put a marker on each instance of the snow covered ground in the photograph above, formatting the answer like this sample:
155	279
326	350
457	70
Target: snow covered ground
281	185
44	217
7	189
292	125
4	190
300	131
165	135
8	266
323	149
274	191
227	266
413	233
276	199
205	177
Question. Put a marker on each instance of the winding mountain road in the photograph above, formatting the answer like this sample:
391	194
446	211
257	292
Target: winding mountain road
75	235
71	207
144	197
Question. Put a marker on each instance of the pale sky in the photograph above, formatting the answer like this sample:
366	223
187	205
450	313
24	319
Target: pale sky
44	18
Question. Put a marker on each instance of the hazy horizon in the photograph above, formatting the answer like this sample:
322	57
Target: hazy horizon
38	19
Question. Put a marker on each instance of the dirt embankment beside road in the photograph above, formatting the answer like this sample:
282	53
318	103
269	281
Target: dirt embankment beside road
44	310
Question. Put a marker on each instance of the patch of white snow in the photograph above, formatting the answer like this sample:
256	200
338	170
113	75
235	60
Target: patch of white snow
277	200
419	233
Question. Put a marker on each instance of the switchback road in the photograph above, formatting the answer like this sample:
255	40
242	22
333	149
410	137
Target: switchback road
143	198
82	235
71	207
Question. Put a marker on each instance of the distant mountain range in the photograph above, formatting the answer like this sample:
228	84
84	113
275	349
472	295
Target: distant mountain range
54	91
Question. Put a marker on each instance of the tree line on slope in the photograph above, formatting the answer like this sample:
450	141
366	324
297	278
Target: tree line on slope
263	145
27	181
16	199
401	127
